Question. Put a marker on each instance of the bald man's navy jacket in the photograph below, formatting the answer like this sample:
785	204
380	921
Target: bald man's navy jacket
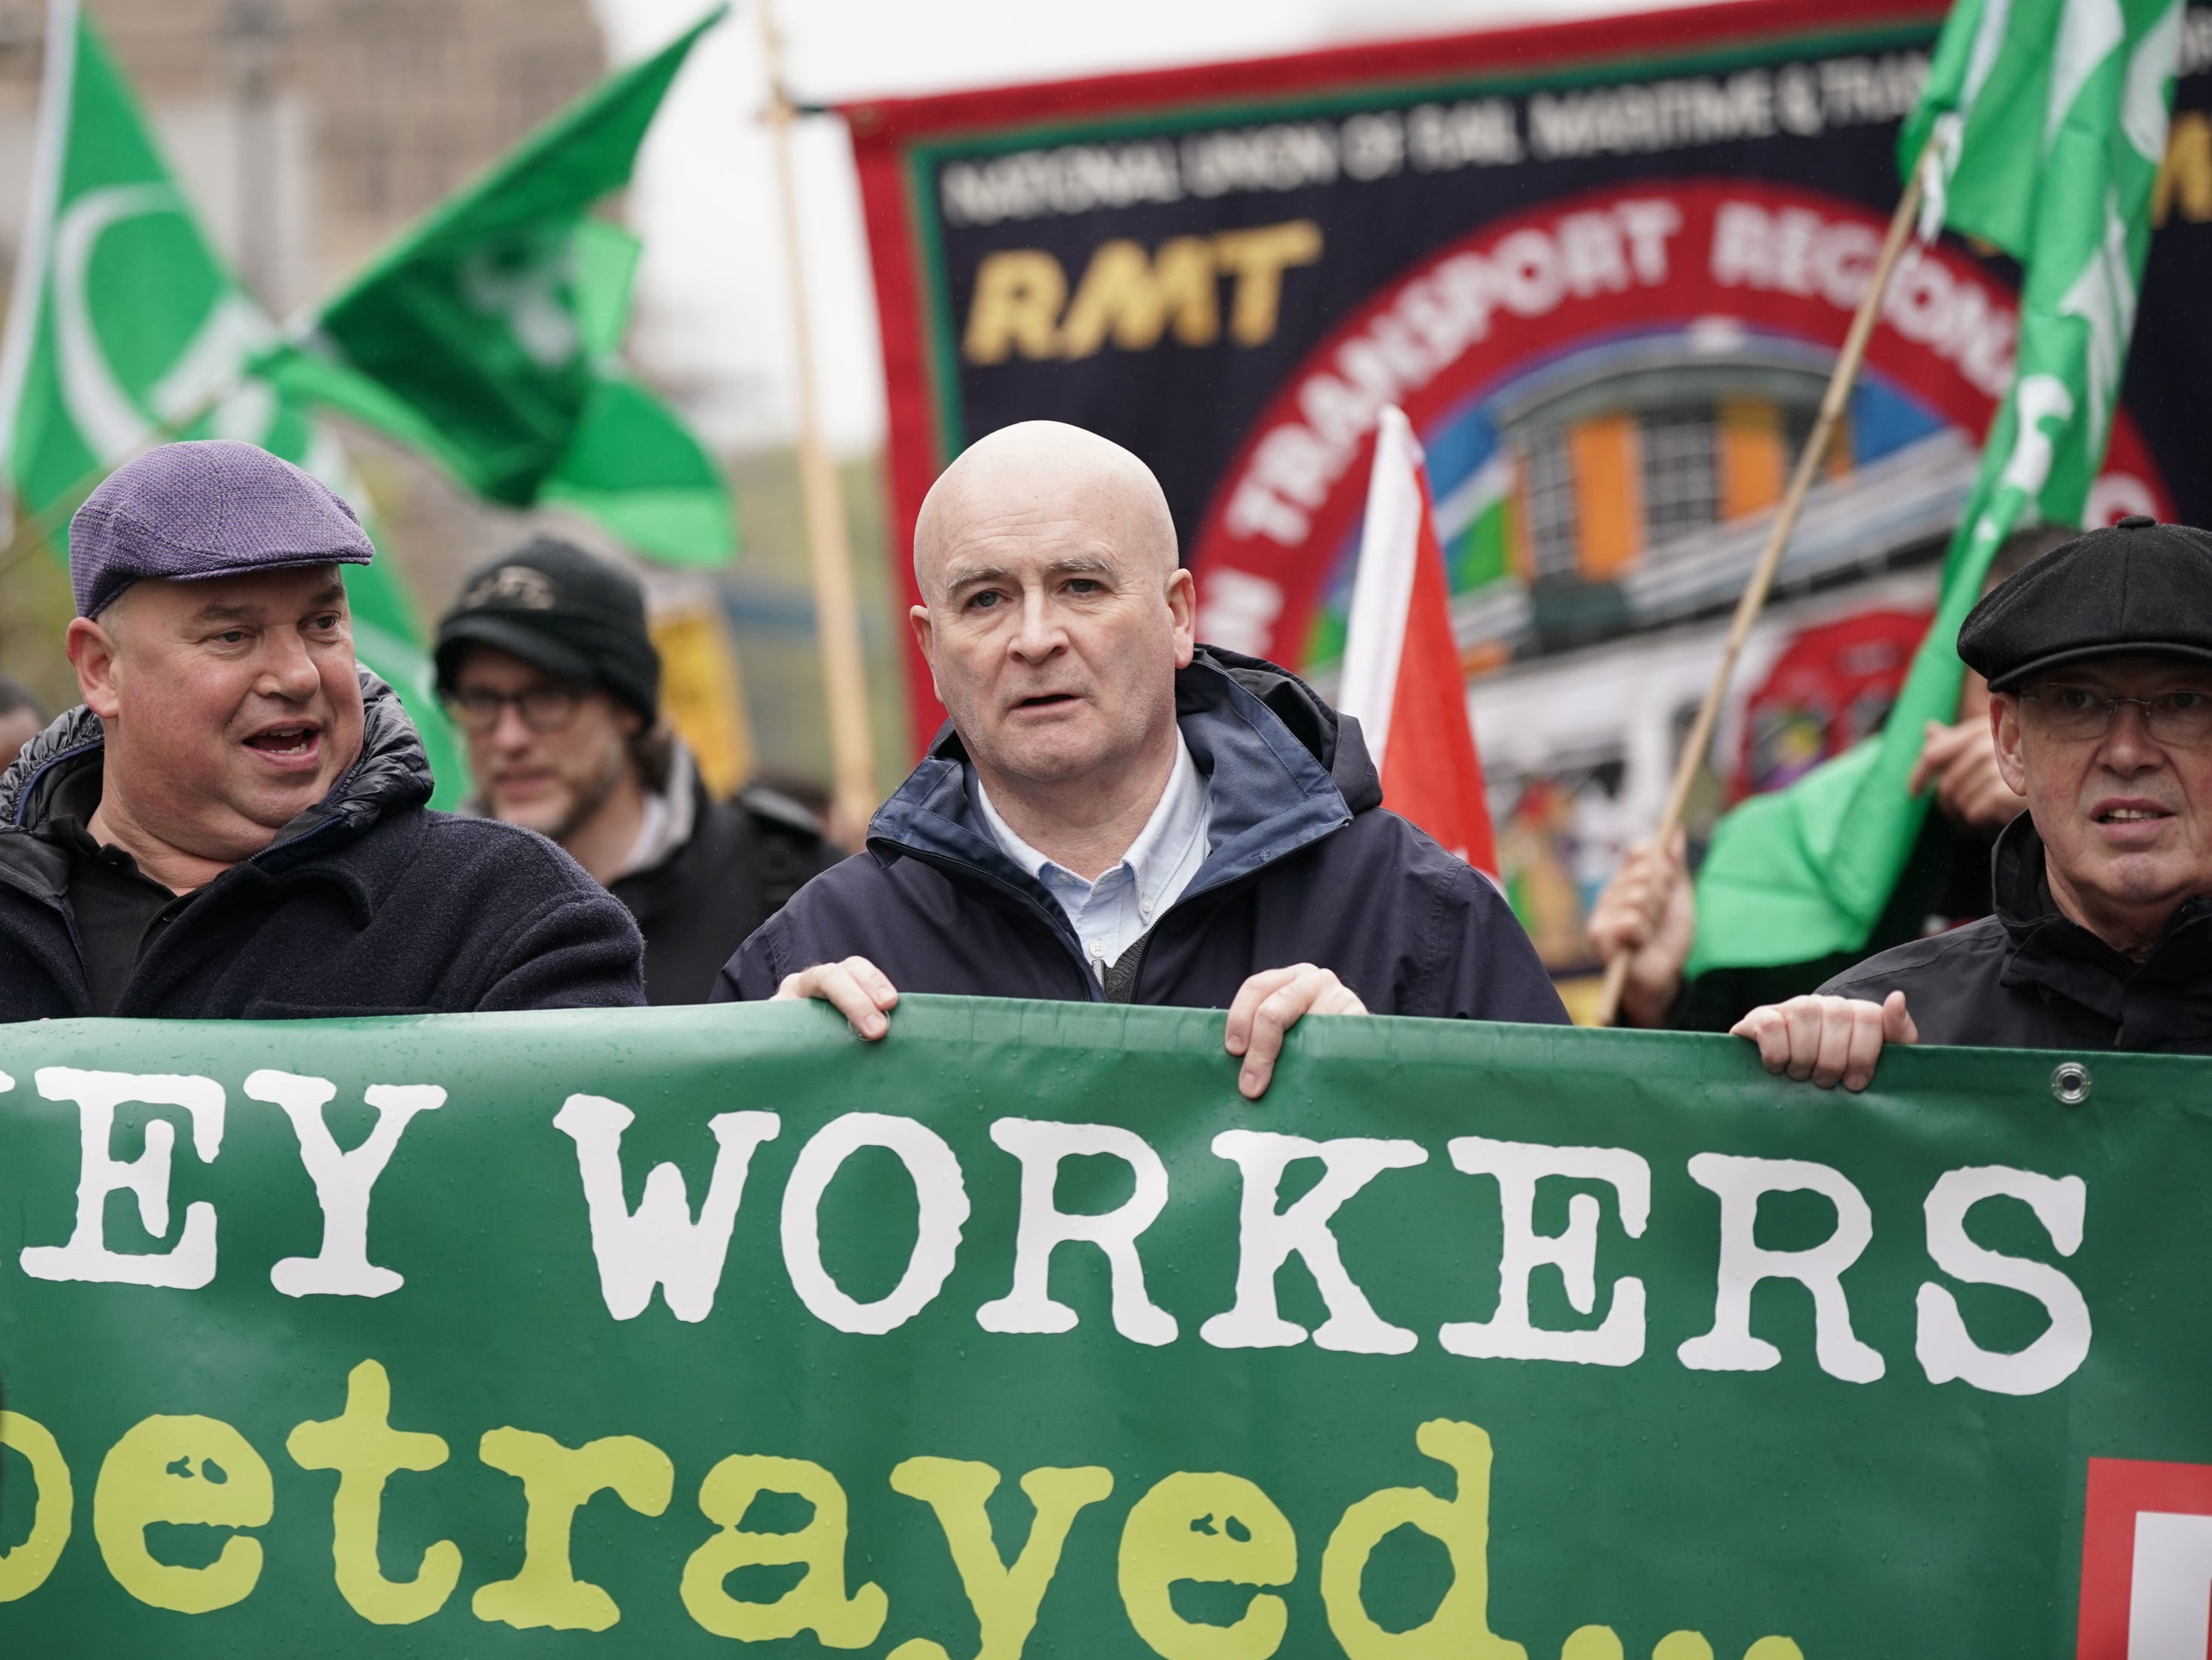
1303	865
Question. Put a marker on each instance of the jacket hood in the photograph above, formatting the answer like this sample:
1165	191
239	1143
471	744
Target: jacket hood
1332	738
390	776
1282	769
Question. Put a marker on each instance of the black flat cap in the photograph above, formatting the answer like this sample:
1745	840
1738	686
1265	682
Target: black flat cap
2138	589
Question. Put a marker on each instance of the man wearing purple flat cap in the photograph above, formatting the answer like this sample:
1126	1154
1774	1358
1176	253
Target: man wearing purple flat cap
231	825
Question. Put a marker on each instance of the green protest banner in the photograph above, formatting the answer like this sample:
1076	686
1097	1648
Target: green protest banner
699	1331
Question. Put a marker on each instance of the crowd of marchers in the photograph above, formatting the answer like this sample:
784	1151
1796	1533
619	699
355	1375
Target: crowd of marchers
234	823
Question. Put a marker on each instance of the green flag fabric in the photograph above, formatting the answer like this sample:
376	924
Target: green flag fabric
638	471
683	1332
2045	122
483	338
633	464
125	329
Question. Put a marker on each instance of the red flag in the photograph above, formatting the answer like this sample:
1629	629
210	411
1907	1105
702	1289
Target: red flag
1402	679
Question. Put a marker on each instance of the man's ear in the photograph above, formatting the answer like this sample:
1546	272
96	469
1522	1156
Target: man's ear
92	653
1182	607
2004	730
917	619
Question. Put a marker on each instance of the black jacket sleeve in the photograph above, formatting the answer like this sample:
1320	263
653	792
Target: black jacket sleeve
752	976
574	947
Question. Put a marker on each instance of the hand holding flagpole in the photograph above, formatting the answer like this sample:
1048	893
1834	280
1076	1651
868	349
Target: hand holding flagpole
1748	609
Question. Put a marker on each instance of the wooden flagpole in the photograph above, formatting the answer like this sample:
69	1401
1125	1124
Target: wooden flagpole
830	551
1754	600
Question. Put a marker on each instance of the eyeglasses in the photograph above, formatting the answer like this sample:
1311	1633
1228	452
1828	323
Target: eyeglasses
2080	713
542	707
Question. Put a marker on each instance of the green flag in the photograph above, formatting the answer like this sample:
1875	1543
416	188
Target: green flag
125	329
637	468
484	337
2045	121
632	464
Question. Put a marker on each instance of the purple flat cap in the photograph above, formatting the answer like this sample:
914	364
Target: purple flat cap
212	507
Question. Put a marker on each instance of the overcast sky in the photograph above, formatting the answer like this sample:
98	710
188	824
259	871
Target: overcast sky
712	322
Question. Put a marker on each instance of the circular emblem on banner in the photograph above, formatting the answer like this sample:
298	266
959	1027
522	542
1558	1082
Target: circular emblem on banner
1612	391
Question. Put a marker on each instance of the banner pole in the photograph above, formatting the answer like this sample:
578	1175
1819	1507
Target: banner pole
830	551
1754	600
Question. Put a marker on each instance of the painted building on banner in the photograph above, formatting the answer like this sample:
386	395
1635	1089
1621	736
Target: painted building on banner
1607	281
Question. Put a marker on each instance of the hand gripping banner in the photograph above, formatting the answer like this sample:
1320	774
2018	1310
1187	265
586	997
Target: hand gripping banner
695	1331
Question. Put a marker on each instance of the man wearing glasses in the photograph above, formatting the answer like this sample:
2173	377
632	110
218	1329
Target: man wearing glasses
548	668
2098	658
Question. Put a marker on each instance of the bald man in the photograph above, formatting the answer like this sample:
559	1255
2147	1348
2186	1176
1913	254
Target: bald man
1115	813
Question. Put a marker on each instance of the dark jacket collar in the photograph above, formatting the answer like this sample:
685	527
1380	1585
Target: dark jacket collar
1281	769
390	776
2060	958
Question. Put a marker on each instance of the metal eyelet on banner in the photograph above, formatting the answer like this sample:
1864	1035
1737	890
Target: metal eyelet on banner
2070	1083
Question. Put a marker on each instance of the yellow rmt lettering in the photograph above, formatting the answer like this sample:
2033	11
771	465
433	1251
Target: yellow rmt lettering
2185	179
1133	299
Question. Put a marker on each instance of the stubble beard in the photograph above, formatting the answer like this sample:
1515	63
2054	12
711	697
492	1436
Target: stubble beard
589	801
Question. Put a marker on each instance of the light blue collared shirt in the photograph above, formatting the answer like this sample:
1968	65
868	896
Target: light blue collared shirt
1113	912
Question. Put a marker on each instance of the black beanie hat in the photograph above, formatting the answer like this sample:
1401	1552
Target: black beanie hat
561	610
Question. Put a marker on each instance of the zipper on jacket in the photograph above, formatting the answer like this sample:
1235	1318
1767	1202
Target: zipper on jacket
1055	921
77	944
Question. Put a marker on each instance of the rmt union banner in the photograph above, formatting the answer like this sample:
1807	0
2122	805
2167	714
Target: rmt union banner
1604	266
661	1332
